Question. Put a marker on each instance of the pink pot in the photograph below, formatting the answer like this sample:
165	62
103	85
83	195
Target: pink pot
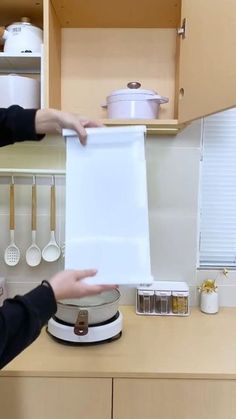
134	102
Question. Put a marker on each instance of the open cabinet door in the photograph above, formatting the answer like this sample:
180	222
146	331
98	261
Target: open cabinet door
52	57
207	66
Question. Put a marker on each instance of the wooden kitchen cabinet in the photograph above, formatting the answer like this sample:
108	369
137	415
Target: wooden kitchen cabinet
162	367
97	47
93	48
55	398
174	398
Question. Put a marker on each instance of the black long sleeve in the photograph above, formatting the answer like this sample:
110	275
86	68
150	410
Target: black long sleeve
17	124
22	317
21	320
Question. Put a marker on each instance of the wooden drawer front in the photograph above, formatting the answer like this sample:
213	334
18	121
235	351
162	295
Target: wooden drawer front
176	398
55	398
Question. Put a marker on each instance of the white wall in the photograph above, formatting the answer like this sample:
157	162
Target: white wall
173	176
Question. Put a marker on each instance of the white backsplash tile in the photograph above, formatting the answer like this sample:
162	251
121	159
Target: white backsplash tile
173	246
32	156
189	137
173	175
20	288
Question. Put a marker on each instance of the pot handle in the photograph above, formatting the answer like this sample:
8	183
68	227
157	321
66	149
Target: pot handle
104	105
160	99
81	324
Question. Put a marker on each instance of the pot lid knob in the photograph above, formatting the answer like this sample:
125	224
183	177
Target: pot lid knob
134	85
25	19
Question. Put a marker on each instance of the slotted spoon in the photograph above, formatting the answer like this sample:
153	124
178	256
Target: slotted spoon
12	253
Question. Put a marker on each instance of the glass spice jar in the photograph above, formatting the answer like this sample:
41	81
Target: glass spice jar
145	301
180	302
162	302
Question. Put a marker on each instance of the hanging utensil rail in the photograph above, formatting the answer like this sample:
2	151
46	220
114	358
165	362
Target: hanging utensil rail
14	171
26	176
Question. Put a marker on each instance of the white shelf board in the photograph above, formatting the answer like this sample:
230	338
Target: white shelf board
20	63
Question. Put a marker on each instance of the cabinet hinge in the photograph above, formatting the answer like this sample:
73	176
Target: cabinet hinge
182	31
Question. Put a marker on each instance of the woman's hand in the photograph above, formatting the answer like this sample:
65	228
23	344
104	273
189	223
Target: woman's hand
52	121
69	284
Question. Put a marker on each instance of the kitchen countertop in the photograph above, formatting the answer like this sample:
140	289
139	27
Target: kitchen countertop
197	346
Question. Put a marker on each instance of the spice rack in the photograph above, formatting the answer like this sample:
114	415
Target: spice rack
163	298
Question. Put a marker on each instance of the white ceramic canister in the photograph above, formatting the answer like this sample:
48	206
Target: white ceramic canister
3	291
19	90
22	37
209	302
134	102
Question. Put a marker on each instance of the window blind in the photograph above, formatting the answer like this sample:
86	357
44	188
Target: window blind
218	191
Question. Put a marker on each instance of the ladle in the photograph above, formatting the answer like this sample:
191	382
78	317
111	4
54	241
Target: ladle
33	253
52	251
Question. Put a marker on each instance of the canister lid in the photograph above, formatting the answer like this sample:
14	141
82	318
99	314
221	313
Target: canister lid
163	293
180	293
145	292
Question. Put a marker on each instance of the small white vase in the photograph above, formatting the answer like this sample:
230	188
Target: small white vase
209	302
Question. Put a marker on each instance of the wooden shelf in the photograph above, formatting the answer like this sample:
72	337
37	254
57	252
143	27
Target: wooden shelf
23	63
154	126
122	14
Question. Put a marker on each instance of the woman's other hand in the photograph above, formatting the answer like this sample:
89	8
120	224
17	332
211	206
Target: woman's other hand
70	284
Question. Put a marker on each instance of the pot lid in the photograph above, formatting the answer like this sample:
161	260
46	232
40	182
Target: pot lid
105	297
133	87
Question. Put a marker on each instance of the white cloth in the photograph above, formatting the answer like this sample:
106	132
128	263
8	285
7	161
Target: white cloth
106	205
